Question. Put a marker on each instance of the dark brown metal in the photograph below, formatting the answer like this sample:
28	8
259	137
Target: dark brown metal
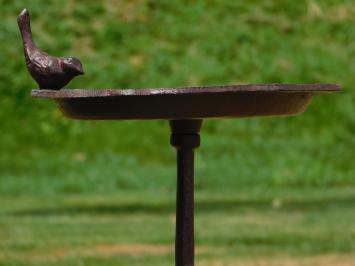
188	102
49	72
185	138
185	107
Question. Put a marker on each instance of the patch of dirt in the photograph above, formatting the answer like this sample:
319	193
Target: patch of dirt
128	250
324	260
132	250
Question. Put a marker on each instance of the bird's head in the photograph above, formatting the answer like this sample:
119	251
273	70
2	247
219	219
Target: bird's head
72	66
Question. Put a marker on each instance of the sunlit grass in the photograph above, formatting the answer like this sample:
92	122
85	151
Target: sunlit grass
136	228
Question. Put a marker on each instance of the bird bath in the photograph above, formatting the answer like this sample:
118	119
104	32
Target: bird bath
185	108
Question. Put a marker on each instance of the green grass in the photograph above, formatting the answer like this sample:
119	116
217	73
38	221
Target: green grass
72	184
111	230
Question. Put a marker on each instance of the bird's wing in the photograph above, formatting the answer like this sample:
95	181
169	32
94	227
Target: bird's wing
42	63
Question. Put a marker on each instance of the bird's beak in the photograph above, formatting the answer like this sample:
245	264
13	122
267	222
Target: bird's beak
80	71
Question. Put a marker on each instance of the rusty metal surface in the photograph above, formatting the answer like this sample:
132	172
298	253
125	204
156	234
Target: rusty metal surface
48	71
96	93
186	102
185	138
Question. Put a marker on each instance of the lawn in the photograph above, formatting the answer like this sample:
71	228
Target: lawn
285	227
270	191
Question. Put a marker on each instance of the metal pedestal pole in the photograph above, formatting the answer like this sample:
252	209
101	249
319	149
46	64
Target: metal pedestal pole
185	138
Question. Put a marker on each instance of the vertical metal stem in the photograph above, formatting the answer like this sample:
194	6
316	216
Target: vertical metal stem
185	139
184	241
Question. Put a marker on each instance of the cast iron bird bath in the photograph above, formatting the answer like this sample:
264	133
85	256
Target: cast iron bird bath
185	108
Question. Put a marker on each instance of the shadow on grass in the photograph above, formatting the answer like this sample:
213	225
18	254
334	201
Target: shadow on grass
202	206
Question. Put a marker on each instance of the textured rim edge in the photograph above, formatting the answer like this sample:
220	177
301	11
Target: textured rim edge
87	93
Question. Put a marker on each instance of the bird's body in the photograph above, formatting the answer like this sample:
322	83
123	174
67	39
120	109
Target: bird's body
49	72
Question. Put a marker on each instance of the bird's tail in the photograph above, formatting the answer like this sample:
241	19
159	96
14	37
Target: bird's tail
23	21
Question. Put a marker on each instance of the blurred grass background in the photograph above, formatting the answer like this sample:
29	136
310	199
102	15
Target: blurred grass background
268	189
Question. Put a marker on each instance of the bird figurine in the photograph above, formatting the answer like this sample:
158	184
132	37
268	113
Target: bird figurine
48	71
